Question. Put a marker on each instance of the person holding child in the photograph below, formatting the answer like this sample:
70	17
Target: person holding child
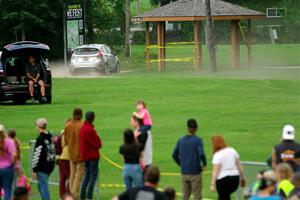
131	151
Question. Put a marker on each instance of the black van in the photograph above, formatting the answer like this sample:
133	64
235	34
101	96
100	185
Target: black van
13	81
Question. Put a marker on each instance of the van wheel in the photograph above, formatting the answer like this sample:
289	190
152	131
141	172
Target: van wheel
19	100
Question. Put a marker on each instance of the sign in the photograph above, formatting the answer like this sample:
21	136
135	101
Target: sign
74	22
74	12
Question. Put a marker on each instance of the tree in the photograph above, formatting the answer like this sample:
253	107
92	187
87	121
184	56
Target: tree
210	37
127	28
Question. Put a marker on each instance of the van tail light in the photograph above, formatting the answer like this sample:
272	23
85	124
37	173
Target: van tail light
100	54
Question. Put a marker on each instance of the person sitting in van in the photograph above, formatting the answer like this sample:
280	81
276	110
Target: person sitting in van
33	75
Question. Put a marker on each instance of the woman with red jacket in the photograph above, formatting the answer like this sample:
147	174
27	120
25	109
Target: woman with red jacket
90	143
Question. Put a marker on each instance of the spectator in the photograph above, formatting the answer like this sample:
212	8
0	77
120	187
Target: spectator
189	155
68	197
284	175
267	187
170	193
148	191
227	172
131	152
7	159
43	160
285	151
22	180
33	71
21	193
12	134
63	160
253	189
144	114
295	193
90	143
72	130
145	139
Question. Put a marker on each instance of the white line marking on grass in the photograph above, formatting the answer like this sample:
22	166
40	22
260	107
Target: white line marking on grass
282	67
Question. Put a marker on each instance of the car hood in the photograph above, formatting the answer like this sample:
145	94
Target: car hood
25	48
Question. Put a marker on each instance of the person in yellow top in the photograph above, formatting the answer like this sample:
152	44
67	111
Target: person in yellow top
63	161
284	176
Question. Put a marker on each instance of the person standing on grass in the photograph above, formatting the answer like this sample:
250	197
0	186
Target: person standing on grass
63	160
144	138
90	144
286	150
72	140
146	192
7	160
189	155
12	134
131	152
43	160
228	172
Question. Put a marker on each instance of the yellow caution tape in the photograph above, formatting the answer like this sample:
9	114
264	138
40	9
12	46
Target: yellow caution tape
187	59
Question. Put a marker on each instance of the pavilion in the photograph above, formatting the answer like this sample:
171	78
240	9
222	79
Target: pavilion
194	10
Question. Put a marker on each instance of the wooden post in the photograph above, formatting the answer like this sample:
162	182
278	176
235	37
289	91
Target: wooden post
249	43
163	34
235	44
148	64
159	45
197	44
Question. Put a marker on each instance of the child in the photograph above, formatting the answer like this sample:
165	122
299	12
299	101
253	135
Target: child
144	114
170	193
254	188
284	176
22	180
12	134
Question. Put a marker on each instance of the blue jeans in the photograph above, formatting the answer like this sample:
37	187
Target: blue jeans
145	128
132	175
89	180
43	185
6	181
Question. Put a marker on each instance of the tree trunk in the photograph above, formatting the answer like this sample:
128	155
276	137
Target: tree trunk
210	37
88	22
23	35
127	28
138	3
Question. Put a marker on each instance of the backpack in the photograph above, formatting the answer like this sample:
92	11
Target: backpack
57	143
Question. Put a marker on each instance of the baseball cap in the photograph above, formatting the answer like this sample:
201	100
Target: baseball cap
288	132
2	128
41	123
192	123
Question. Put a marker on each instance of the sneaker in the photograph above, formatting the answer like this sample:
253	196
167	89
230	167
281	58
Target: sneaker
32	100
44	99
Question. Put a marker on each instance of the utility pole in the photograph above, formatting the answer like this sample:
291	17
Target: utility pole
210	38
127	28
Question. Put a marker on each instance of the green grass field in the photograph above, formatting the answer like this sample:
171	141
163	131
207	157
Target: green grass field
247	106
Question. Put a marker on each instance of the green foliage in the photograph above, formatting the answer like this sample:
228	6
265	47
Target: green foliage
38	20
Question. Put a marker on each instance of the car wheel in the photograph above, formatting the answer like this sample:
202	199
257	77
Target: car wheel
18	100
117	68
106	69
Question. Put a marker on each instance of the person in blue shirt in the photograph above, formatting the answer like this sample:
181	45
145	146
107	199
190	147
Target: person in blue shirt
267	187
189	155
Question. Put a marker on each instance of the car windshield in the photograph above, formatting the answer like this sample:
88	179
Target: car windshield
86	51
